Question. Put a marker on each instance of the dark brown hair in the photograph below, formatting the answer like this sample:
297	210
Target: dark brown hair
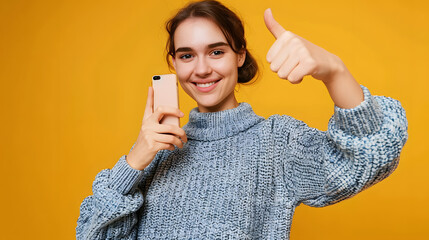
227	21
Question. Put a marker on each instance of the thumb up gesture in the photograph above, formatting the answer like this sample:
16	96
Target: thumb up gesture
292	57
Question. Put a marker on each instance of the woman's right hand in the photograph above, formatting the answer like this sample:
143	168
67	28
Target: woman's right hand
154	136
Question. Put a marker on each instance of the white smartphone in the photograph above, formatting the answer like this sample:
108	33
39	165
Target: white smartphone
166	94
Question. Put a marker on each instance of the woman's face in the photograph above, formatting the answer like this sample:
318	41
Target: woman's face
206	65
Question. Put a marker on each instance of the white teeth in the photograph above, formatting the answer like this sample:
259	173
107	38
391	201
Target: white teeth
205	84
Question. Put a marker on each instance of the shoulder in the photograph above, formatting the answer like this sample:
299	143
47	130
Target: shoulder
282	123
282	127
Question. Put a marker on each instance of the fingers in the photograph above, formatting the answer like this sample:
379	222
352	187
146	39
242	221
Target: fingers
294	70
168	139
149	104
159	136
279	56
156	136
170	129
284	41
155	131
287	68
166	146
300	71
289	55
160	111
273	26
283	56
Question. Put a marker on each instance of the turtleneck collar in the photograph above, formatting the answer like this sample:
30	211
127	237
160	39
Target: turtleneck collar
217	125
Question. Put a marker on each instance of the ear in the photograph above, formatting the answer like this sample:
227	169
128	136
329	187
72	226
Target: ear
173	60
241	56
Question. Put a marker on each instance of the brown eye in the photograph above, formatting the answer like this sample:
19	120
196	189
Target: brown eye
217	52
185	56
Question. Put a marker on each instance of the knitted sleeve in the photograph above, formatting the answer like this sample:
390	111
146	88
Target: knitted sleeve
111	212
360	148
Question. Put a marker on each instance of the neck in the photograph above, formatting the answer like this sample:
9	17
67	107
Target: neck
220	124
228	103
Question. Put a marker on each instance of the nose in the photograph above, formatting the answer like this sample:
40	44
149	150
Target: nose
203	67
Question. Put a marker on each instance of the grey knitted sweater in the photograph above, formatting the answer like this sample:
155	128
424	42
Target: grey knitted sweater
241	176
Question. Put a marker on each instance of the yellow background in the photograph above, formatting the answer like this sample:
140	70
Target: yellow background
74	78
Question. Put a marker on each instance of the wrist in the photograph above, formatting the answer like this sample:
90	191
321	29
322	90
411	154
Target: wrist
344	90
133	160
338	71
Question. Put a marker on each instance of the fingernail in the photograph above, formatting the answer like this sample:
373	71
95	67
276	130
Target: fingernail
182	114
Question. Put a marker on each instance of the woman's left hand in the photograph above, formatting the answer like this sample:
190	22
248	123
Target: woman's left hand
292	57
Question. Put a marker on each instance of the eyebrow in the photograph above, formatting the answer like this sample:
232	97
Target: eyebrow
213	45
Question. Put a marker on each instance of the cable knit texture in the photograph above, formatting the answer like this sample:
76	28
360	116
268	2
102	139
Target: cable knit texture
241	176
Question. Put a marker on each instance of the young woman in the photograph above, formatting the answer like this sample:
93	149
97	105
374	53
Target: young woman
230	174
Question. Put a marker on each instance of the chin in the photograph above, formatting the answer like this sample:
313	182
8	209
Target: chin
208	103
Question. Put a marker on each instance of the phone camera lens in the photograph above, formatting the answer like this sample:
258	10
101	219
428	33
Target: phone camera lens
156	77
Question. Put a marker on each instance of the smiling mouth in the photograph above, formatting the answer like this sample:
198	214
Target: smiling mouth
204	85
